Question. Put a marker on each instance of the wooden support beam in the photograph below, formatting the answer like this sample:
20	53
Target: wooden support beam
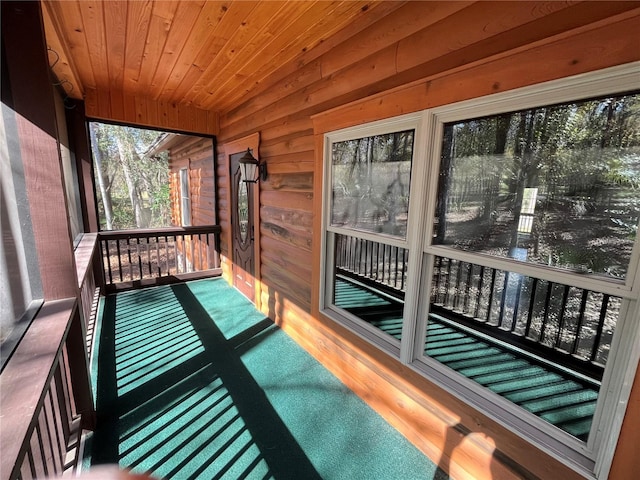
79	139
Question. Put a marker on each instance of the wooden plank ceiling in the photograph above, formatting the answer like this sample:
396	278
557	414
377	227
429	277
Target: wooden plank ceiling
206	54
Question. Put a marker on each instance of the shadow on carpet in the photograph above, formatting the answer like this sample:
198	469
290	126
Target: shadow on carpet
194	383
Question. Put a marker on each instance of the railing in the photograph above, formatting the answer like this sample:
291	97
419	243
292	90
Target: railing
373	263
136	257
568	325
45	396
565	325
88	269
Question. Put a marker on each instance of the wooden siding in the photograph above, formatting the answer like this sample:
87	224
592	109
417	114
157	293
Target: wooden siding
196	155
147	112
446	54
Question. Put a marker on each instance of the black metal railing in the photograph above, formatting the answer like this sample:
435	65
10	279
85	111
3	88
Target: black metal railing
569	325
566	325
381	265
131	256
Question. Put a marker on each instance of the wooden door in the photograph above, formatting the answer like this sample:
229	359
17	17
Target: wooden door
243	232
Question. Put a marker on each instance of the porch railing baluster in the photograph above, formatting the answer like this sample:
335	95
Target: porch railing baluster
129	256
545	318
456	297
503	297
491	290
467	295
562	319
583	307
516	305
532	297
529	312
480	285
141	252
600	328
119	260
149	255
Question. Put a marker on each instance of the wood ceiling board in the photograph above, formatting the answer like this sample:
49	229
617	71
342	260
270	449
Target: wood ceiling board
115	20
160	24
187	13
284	48
257	48
70	26
93	28
138	21
230	103
59	56
267	21
234	32
200	36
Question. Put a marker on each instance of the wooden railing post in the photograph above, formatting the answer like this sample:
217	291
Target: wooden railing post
79	370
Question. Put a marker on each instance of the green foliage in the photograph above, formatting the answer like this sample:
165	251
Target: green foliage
137	185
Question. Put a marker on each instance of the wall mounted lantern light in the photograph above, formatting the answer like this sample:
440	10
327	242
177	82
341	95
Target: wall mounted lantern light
250	169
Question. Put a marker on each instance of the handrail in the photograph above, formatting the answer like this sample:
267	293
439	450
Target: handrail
89	270
153	232
134	258
41	416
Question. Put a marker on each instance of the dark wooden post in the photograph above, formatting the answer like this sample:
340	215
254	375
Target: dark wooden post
79	139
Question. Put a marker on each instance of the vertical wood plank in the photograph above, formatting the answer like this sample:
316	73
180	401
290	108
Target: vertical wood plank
138	19
79	137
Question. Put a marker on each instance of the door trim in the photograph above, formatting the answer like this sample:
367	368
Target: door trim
229	148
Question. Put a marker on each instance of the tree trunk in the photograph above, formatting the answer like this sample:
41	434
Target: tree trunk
106	197
131	186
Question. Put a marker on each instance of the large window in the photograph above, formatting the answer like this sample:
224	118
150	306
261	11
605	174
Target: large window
554	185
370	183
368	203
525	209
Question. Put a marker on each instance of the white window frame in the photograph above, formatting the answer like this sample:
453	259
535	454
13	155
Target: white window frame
185	197
592	458
352	322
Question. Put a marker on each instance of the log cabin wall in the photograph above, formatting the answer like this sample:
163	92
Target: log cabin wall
196	155
419	56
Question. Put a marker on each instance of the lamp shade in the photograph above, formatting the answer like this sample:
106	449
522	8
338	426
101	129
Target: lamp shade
248	167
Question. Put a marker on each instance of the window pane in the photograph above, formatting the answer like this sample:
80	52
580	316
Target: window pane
553	185
540	344
370	280
370	183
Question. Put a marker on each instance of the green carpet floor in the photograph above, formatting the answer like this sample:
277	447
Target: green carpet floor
192	382
555	395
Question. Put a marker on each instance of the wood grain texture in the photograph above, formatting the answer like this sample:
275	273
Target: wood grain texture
291	71
456	436
145	111
193	53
